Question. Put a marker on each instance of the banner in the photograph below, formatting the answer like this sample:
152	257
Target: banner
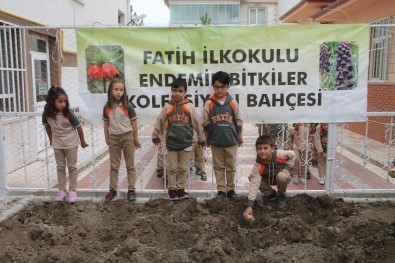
279	74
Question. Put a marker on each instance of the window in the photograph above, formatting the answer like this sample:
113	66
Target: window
13	88
380	37
40	68
257	16
191	13
121	18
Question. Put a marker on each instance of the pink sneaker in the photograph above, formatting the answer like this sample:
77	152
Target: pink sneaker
72	197
60	195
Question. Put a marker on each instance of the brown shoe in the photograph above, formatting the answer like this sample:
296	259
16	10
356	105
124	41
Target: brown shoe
173	195
132	195
182	194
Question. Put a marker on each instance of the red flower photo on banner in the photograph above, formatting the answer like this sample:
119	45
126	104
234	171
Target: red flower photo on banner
108	70
103	63
95	71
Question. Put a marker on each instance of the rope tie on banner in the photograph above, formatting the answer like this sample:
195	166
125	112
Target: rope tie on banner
57	48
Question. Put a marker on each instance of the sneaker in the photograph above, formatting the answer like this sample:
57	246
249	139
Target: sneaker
110	195
295	180
72	197
173	195
182	194
321	181
159	173
132	195
220	195
282	201
60	196
302	181
231	194
202	174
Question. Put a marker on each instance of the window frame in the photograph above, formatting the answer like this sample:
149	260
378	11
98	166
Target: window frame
379	50
256	16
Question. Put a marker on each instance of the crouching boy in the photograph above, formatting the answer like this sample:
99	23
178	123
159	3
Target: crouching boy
272	167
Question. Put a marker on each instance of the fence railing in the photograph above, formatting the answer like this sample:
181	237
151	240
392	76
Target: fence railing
356	166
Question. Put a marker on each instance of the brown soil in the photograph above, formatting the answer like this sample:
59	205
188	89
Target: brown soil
308	230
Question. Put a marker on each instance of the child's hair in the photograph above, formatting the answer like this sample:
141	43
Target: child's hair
264	139
50	109
111	100
222	77
179	82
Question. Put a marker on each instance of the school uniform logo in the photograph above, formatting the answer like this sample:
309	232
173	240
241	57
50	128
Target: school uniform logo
224	117
65	125
122	117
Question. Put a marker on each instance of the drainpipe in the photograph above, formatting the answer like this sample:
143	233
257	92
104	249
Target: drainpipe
128	14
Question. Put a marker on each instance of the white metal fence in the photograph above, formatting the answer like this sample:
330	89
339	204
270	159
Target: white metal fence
356	164
29	64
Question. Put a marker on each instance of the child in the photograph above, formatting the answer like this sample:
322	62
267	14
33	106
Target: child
321	144
61	125
272	167
121	133
303	135
223	124
176	122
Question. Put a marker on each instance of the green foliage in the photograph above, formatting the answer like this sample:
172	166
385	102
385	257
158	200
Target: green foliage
205	19
135	20
101	54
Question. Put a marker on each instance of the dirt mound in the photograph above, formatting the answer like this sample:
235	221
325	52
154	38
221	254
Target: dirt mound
308	230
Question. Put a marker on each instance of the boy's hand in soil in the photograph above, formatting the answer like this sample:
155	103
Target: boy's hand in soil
247	215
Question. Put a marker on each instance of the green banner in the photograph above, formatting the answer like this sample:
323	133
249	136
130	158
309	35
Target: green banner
285	73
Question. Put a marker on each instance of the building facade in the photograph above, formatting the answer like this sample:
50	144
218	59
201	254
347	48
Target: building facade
380	14
38	50
222	12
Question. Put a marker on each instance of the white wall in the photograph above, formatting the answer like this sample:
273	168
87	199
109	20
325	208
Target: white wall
68	12
271	11
285	5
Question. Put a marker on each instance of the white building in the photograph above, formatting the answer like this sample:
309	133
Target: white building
38	50
223	12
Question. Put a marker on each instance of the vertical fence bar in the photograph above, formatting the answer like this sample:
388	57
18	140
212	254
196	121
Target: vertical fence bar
390	141
93	161
331	157
365	144
341	160
390	137
3	179
46	141
23	148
